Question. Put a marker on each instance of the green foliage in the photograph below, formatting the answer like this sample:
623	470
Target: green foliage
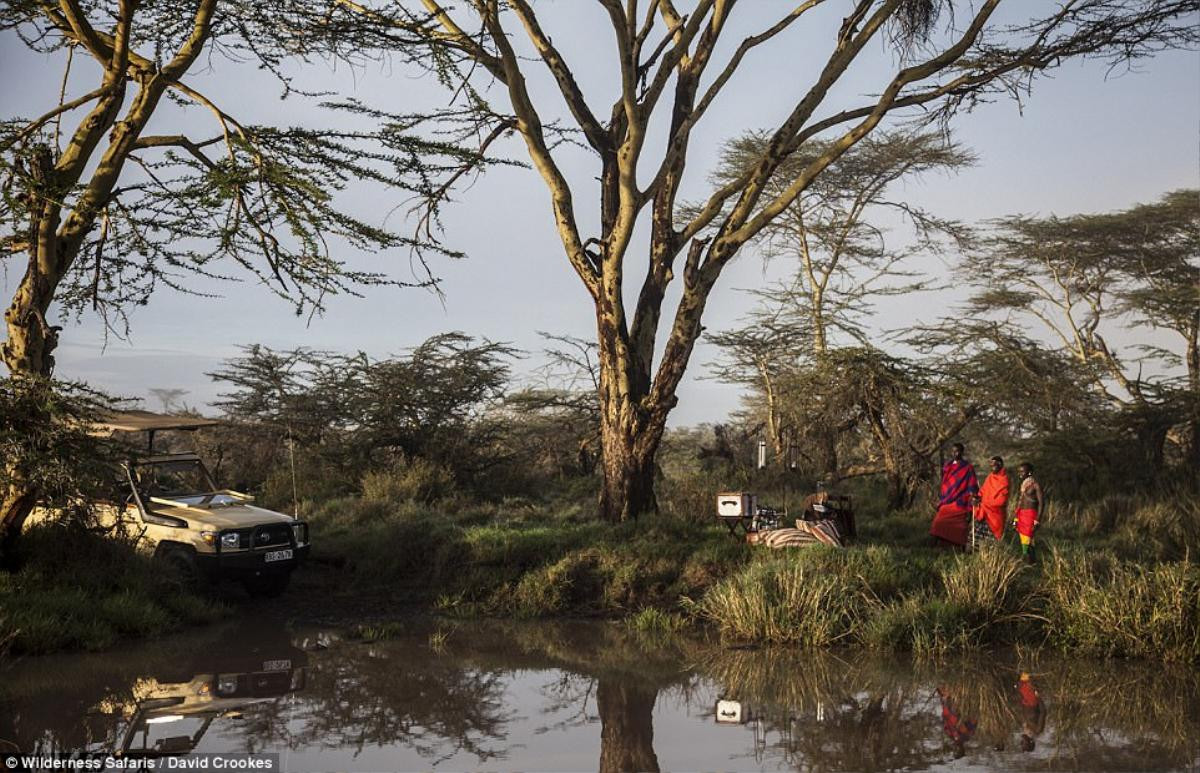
45	442
787	601
349	419
408	480
1099	605
77	590
656	622
928	602
1143	527
470	558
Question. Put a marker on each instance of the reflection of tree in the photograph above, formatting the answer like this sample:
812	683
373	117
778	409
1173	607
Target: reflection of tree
626	725
819	711
625	672
388	694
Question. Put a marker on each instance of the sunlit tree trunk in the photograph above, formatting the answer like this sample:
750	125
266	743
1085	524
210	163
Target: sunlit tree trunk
28	350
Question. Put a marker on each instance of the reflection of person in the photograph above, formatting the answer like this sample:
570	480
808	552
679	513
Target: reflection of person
957	729
1033	712
959	485
992	502
1030	504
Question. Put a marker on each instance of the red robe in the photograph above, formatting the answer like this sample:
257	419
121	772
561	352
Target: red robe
993	505
954	504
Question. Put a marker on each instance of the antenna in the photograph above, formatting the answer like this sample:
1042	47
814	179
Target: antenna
292	462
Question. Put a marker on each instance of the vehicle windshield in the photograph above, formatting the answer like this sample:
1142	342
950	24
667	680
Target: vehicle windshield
172	479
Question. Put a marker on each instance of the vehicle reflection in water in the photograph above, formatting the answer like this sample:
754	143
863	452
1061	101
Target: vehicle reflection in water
581	696
168	708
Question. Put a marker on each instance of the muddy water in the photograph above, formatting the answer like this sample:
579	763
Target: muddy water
579	696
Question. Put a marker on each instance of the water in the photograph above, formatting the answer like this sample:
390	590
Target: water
578	696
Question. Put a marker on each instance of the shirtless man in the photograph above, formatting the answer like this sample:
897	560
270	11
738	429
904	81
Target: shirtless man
1030	505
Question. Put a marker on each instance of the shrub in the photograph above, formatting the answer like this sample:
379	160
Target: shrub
410	479
785	601
689	497
78	590
655	622
1097	604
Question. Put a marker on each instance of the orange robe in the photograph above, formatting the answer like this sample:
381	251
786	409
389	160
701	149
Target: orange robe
993	505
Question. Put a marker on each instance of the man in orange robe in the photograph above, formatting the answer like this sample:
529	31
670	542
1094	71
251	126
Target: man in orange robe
992	502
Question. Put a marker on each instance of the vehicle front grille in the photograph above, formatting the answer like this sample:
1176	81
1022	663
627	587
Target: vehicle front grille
275	534
271	535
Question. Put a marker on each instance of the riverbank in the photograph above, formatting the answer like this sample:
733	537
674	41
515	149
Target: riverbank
1113	580
79	591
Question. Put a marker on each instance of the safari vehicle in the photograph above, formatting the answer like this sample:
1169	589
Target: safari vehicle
176	512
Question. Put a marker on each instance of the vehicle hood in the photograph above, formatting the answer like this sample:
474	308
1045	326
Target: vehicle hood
224	516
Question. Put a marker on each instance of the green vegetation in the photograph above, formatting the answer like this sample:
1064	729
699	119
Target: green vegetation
79	591
516	558
1088	595
1097	590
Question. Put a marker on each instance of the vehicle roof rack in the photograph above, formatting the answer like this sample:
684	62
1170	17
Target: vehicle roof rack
149	422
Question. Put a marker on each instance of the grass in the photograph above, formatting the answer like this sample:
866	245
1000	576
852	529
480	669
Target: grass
79	591
465	559
1077	600
1117	578
1096	591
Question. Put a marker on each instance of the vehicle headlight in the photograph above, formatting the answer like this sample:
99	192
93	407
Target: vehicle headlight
232	540
300	532
227	684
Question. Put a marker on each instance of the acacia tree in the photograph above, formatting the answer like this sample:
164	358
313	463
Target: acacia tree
558	420
101	212
844	259
356	412
1081	277
835	229
670	63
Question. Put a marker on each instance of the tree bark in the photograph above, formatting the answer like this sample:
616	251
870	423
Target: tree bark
626	726
629	434
1192	453
28	349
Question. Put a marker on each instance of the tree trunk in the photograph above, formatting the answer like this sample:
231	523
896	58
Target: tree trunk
899	491
27	353
28	350
626	726
631	423
628	488
1192	452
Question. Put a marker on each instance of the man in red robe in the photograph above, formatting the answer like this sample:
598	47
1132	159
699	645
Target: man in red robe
992	502
959	487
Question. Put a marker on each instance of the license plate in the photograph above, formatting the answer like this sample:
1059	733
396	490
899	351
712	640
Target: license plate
277	665
278	555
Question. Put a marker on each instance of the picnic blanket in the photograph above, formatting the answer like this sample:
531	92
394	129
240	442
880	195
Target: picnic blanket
805	533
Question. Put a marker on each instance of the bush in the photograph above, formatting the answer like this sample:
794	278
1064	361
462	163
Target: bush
786	601
410	479
1097	604
1163	527
77	590
689	497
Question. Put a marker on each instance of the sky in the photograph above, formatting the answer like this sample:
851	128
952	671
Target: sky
1088	140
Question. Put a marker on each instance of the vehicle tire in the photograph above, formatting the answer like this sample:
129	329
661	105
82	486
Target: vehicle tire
268	585
183	569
